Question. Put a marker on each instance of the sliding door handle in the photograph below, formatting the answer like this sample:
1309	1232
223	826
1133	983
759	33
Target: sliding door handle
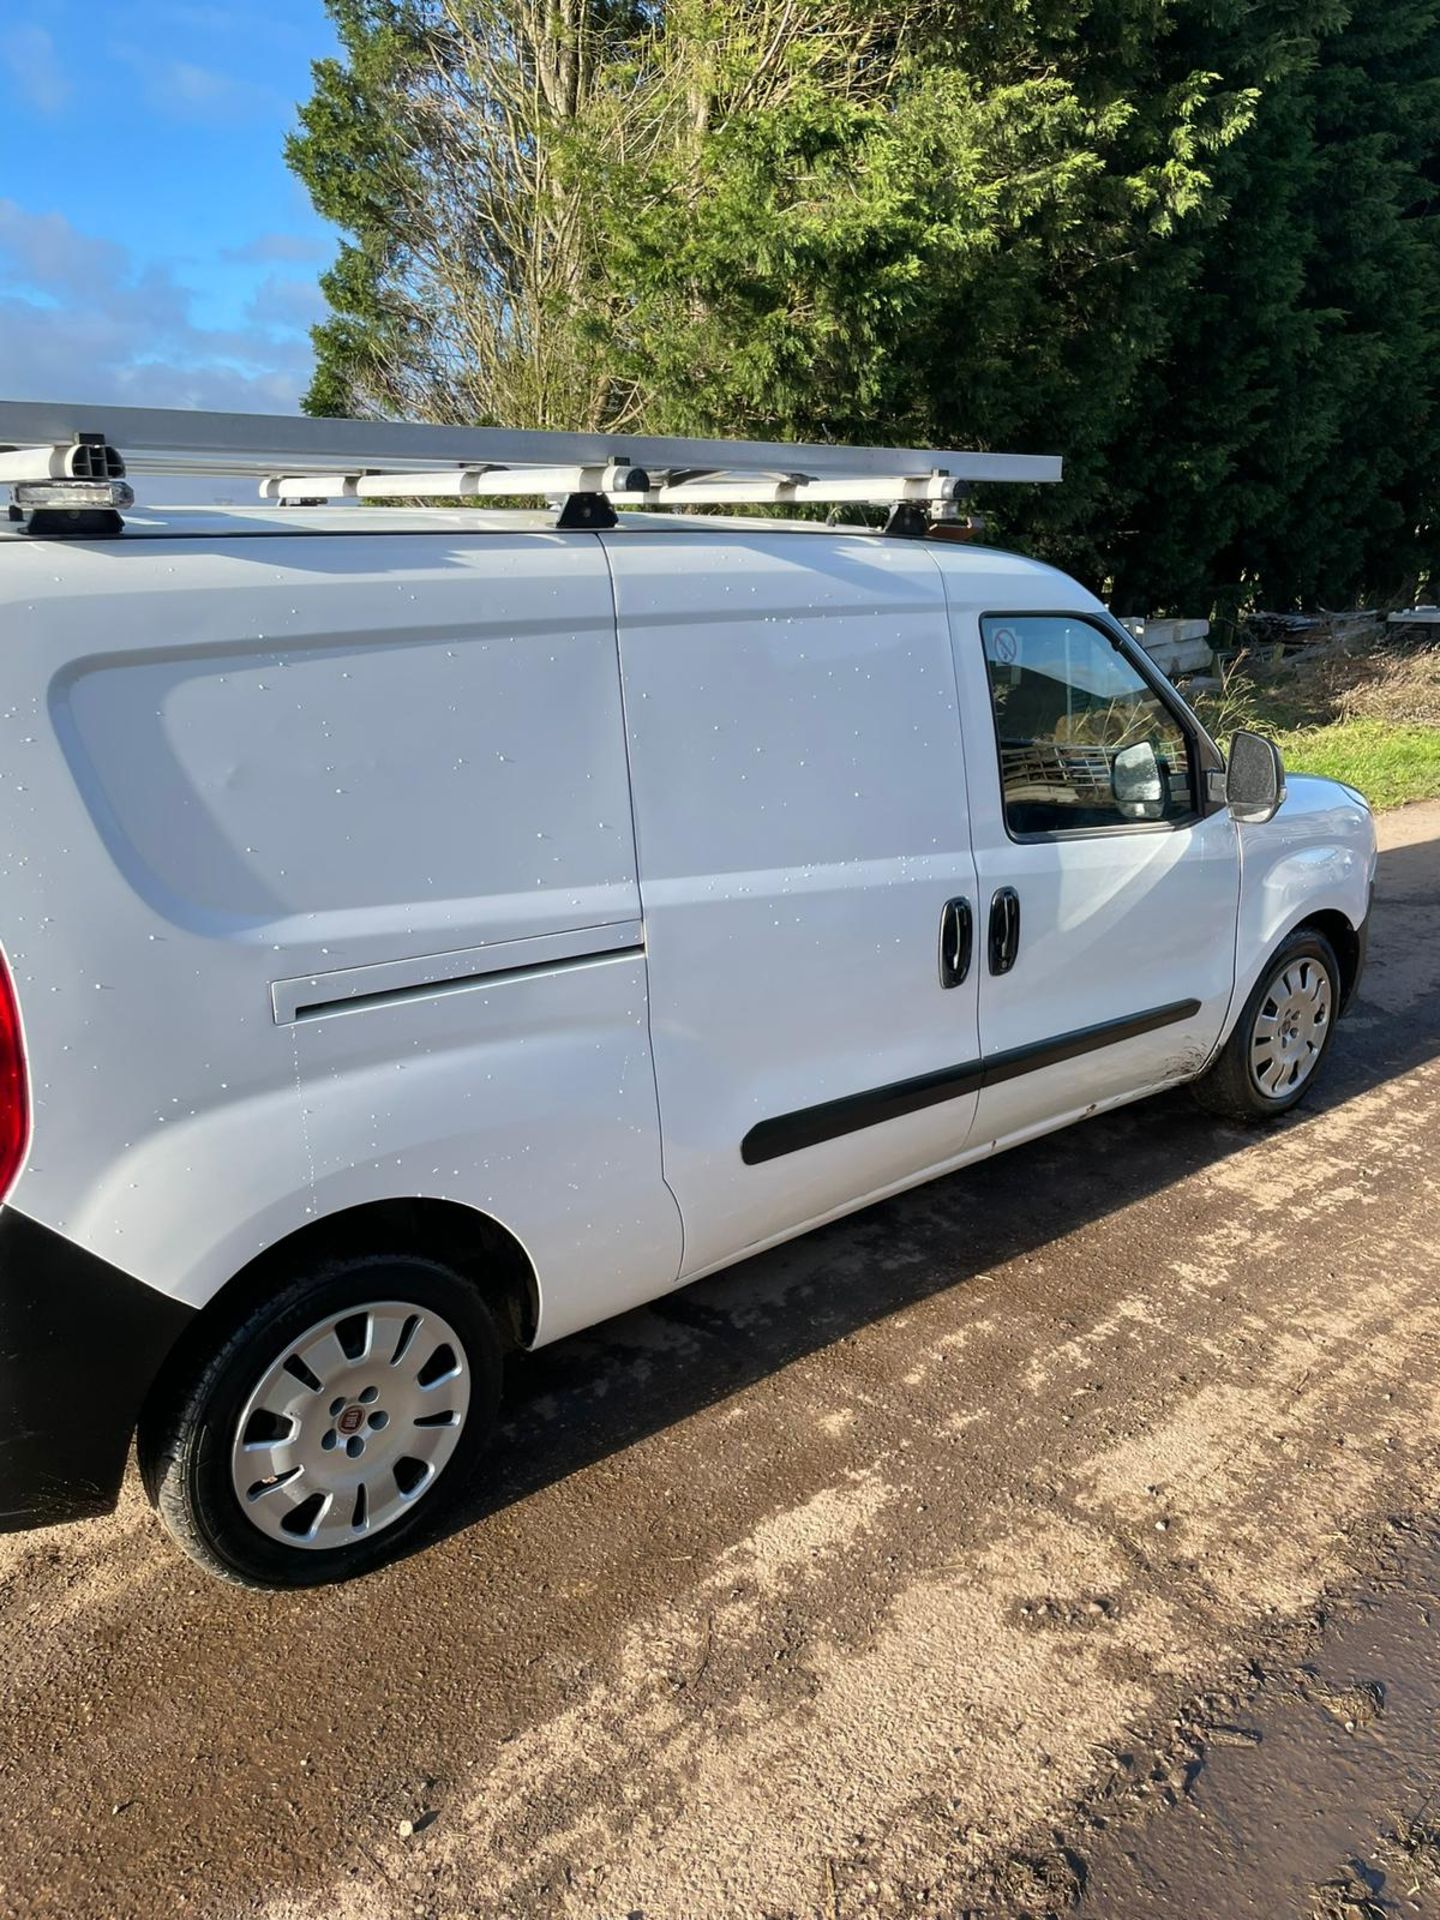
957	938
1004	930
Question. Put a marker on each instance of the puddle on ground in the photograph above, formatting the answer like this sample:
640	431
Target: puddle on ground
1320	1795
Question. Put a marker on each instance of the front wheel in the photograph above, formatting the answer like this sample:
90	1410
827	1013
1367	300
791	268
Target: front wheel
1270	1061
329	1424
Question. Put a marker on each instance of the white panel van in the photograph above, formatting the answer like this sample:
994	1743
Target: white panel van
430	931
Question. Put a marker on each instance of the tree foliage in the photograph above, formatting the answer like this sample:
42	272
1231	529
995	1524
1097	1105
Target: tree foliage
1190	244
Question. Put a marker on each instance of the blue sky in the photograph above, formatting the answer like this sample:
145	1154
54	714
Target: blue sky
154	248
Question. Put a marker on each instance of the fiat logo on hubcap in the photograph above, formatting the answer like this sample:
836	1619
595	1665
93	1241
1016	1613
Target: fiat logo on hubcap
351	1420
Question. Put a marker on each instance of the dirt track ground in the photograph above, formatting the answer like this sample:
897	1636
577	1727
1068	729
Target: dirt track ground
820	1588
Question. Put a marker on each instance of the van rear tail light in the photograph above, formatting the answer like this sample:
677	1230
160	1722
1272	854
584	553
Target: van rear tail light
14	1085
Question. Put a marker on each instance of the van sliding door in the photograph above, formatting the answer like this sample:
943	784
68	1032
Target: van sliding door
805	871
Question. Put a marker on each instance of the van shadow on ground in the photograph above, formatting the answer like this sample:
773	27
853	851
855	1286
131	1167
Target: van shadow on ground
720	1335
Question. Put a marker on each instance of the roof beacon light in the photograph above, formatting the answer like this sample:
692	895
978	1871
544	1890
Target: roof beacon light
75	488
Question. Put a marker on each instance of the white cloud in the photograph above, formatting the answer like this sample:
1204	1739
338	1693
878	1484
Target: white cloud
80	320
286	303
43	250
29	53
278	247
182	90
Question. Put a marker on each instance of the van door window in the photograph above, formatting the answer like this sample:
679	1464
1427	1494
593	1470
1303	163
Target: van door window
1084	741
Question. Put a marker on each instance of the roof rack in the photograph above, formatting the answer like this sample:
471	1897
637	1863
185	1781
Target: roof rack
71	460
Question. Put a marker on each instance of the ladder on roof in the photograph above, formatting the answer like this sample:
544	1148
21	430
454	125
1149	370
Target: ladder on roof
68	463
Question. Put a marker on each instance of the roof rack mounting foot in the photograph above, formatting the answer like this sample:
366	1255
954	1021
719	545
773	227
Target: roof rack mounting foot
586	512
908	520
69	523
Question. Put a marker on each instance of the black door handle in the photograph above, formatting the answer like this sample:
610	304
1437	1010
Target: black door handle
1004	930
957	937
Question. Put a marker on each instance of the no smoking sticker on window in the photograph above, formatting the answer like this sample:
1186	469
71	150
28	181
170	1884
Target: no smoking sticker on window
1007	646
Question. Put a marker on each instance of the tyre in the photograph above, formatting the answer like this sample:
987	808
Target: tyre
328	1426
1270	1061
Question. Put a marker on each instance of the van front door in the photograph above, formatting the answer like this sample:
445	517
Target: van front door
1108	888
806	877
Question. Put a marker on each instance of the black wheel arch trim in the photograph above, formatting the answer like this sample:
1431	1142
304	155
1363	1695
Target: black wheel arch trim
81	1343
809	1126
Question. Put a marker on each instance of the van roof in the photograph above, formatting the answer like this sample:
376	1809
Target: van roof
218	526
236	522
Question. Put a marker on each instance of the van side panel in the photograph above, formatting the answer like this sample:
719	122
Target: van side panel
239	772
799	787
428	751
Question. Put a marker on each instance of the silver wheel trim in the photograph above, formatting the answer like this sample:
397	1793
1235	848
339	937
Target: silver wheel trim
389	1375
1291	1023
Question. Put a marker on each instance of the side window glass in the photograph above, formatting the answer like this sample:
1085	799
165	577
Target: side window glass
1084	742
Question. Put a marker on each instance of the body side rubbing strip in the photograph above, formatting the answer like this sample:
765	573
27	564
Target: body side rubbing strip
807	1128
789	1132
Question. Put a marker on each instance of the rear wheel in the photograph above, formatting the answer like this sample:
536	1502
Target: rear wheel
1270	1061
328	1426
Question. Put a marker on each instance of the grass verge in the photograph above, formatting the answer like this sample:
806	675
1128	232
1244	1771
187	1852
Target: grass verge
1369	715
1390	763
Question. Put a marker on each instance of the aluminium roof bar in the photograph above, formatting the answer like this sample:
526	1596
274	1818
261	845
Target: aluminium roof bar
455	483
729	488
176	440
625	486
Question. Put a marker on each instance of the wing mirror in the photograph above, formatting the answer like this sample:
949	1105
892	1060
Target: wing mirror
1254	778
1138	783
